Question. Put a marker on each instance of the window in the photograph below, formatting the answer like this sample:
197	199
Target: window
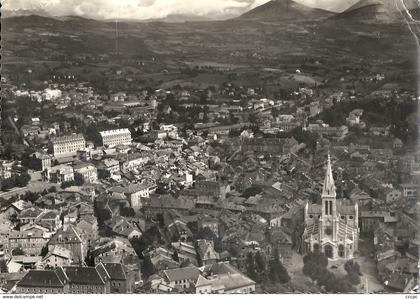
328	231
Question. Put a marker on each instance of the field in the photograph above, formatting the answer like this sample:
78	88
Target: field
248	52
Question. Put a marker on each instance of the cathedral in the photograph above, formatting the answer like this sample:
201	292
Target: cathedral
332	226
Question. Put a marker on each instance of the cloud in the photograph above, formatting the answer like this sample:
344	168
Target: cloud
145	9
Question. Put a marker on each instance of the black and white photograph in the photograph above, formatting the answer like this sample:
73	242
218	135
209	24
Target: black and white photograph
209	147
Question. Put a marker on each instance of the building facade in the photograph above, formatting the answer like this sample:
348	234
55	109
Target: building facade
113	138
67	145
332	227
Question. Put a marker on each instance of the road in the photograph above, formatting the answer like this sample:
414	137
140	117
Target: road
35	185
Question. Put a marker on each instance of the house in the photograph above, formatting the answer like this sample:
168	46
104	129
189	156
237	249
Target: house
223	278
88	227
6	169
120	280
43	282
409	190
369	220
108	167
161	259
85	172
86	280
209	222
50	220
40	161
206	253
30	215
157	283
70	238
59	174
116	250
23	262
186	252
397	144
15	208
281	240
132	161
211	188
57	257
31	240
133	192
179	230
121	226
182	278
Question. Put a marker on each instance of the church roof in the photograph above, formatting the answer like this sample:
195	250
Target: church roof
345	209
312	229
314	209
345	231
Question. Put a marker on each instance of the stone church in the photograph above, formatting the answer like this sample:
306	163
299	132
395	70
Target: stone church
332	226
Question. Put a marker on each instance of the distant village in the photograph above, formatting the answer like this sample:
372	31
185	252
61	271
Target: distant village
217	190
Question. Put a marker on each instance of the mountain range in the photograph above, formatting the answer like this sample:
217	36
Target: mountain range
363	11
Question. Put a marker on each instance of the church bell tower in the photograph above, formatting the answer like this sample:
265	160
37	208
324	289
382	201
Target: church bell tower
329	217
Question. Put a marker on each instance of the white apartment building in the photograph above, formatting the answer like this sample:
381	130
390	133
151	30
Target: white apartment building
86	171
112	138
67	145
58	174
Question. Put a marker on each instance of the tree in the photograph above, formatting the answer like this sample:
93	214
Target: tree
252	191
7	184
317	258
259	260
31	196
175	256
161	220
52	189
79	180
278	273
148	268
127	212
90	259
22	179
353	272
206	233
250	266
44	251
3	266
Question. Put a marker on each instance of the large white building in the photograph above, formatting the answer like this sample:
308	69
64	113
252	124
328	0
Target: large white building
113	138
86	171
333	226
67	145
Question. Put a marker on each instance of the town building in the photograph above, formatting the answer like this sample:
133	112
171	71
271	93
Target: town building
70	238
333	226
112	138
68	145
43	282
85	172
59	174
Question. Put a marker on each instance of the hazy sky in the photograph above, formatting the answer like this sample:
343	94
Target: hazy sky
147	9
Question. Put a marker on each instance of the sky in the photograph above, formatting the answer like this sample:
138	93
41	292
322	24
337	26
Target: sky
153	9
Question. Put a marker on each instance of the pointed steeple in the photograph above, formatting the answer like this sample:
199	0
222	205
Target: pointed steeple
329	185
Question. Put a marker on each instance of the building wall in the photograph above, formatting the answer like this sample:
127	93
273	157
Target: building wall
67	148
242	290
87	289
116	137
40	290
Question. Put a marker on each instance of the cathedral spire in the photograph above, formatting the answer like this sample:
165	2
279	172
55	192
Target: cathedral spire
329	185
